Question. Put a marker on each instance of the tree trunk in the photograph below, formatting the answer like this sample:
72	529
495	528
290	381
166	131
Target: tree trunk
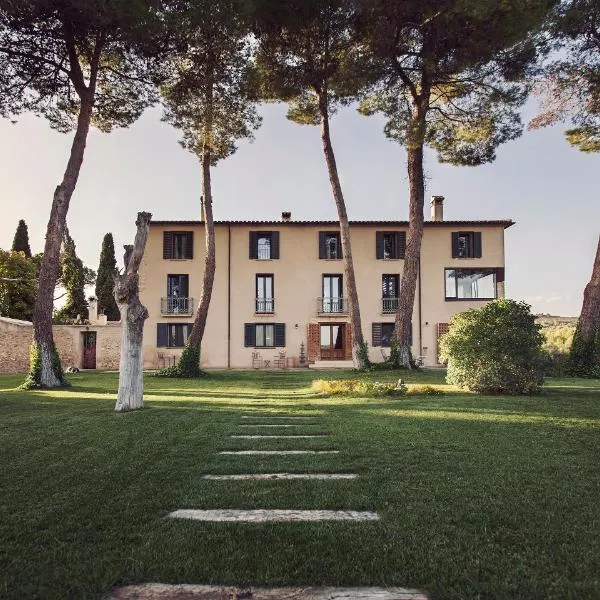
48	372
360	361
133	315
585	354
416	183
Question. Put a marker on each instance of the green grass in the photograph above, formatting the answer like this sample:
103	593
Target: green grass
479	497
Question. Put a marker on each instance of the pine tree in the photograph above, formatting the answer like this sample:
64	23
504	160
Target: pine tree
21	240
105	281
72	277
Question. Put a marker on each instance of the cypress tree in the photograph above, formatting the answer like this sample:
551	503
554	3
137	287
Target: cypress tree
72	278
105	280
21	239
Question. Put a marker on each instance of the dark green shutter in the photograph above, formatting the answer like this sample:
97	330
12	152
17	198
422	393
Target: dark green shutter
161	335
190	244
280	335
275	244
477	250
401	244
379	244
322	249
455	249
253	248
249	335
376	334
167	244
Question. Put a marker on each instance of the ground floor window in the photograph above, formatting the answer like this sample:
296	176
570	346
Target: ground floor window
172	335
383	333
264	335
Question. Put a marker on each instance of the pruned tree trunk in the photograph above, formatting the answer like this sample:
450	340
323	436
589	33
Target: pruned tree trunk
133	314
585	354
45	369
358	357
416	183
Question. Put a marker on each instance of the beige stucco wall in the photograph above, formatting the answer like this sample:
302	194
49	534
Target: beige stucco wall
16	337
297	285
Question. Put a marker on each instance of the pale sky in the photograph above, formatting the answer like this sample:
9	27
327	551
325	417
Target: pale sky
539	181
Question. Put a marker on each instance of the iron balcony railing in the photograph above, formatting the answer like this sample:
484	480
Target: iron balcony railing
176	305
389	305
265	305
263	252
332	305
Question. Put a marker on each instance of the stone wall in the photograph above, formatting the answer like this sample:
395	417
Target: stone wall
16	336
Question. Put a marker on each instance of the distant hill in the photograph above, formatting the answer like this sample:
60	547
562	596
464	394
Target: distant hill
555	321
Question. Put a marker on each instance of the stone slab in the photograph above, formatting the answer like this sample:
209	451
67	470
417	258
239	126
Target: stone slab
159	591
273	425
270	476
276	437
270	417
276	452
271	515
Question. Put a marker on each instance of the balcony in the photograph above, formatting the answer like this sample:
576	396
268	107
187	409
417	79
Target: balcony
389	305
175	305
332	306
263	253
265	306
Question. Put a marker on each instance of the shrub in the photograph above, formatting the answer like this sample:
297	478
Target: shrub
556	345
495	349
188	365
424	390
358	387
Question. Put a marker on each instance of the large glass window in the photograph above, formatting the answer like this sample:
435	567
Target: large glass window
470	284
333	292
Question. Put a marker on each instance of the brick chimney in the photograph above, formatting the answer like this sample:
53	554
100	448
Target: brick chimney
286	216
437	208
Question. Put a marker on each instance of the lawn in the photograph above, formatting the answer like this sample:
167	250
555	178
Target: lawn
479	497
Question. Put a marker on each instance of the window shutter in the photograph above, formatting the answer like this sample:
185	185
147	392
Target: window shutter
477	244
253	249
455	250
184	286
379	244
161	335
401	244
167	244
275	244
249	335
376	334
322	249
280	335
499	274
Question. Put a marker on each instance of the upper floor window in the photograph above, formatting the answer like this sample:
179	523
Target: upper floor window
264	294
330	245
390	285
466	244
264	245
390	244
471	284
178	244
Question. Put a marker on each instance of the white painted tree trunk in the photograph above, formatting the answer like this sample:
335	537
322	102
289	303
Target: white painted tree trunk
133	314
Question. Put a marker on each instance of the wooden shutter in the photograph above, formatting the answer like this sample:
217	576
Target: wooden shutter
249	335
167	244
253	246
348	342
161	335
280	335
499	274
376	334
322	248
455	247
477	249
313	347
190	244
401	244
275	244
379	244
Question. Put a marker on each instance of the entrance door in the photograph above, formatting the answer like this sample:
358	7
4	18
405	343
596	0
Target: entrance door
332	342
89	350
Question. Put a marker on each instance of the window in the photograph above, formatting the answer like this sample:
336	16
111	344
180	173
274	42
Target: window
389	293
264	245
383	333
466	244
471	284
264	335
172	335
264	294
330	245
178	244
333	294
390	245
177	300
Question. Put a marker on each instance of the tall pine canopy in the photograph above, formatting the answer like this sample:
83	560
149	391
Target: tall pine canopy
21	239
105	281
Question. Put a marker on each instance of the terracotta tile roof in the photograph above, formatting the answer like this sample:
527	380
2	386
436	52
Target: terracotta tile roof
499	223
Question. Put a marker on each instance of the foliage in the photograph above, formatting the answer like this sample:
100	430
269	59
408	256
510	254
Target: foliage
363	356
105	283
32	381
21	239
359	387
424	390
556	345
584	357
188	365
72	277
494	349
17	285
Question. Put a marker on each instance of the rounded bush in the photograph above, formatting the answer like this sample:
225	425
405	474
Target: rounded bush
495	349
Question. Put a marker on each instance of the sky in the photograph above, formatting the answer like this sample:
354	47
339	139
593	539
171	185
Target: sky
549	188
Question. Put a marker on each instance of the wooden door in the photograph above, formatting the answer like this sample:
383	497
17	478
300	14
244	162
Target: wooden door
332	341
89	350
